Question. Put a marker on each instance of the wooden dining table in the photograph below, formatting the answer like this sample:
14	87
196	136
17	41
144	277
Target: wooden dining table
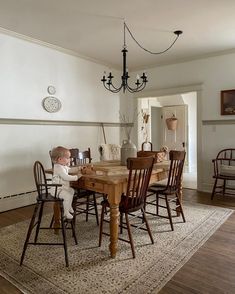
111	179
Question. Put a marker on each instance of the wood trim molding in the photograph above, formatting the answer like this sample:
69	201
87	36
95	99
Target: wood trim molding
219	122
181	89
19	121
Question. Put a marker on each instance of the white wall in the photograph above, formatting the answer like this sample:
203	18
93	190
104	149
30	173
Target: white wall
26	70
215	74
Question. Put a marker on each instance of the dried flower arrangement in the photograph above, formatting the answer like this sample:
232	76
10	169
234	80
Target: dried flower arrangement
127	124
145	119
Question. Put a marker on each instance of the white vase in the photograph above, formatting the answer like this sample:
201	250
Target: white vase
128	149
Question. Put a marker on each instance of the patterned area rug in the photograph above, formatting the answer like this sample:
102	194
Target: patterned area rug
91	269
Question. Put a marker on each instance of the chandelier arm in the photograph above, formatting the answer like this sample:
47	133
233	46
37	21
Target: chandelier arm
177	33
113	89
137	89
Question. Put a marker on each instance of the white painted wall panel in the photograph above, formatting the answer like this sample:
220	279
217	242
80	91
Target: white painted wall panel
214	74
26	70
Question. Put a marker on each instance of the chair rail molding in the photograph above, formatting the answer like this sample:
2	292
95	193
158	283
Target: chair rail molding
20	121
219	122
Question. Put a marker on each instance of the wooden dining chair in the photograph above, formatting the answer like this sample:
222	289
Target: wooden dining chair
74	153
224	173
133	200
85	200
158	155
84	157
44	196
169	193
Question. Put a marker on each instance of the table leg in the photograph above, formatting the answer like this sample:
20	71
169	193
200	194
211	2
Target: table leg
114	225
114	197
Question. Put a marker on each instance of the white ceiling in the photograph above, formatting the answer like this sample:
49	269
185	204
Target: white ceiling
94	28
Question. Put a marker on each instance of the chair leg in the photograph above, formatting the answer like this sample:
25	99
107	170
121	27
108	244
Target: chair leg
147	226
224	186
75	215
101	223
87	206
39	222
169	213
73	231
121	222
157	204
213	191
130	235
181	208
52	221
64	234
29	232
96	210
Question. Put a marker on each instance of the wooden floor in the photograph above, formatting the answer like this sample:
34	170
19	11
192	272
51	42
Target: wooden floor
210	270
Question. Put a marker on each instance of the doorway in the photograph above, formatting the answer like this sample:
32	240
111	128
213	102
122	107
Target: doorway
184	107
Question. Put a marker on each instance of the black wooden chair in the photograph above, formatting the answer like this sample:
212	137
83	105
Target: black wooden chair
224	171
44	196
133	200
85	200
74	156
170	192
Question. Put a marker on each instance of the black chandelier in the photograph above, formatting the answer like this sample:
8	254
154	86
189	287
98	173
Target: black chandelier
141	81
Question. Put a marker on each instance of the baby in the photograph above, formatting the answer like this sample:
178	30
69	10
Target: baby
61	158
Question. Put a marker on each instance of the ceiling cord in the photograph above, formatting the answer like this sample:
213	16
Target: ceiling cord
177	33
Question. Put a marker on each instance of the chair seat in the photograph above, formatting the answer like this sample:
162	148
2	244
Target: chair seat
162	190
48	198
83	193
224	177
156	188
128	206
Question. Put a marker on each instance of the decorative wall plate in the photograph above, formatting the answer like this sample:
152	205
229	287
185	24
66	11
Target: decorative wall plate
51	104
51	90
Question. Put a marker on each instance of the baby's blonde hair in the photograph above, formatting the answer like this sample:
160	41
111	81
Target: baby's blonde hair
58	152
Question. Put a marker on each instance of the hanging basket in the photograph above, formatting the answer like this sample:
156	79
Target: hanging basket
171	123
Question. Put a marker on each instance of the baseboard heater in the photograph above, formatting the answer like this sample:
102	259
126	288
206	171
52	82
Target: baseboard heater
17	200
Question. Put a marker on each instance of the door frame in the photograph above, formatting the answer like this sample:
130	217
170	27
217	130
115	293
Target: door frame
181	90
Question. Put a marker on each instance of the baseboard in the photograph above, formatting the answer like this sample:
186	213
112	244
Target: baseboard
17	200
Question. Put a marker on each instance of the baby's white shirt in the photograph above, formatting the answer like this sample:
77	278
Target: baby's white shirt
61	175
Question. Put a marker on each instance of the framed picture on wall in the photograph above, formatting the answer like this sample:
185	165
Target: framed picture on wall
228	102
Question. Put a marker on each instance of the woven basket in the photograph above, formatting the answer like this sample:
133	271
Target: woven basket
171	123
